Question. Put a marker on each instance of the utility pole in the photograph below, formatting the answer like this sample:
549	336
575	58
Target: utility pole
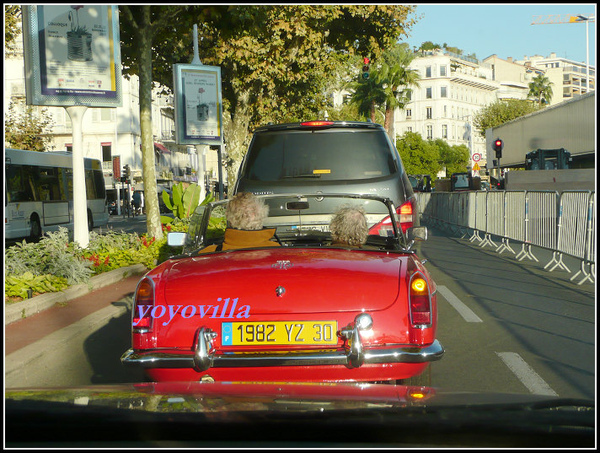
570	19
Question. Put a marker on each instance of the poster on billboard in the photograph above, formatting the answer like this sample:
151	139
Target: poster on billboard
198	104
72	55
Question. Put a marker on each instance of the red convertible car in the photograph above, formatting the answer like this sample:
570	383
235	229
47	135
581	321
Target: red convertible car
307	309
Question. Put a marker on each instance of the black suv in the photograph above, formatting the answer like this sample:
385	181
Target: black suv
327	157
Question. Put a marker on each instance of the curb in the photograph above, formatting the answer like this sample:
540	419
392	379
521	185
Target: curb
17	311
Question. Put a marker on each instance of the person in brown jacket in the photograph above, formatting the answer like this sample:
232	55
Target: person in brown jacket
245	216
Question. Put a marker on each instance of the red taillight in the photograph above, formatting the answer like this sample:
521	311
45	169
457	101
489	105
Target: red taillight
317	123
405	213
419	300
405	216
143	306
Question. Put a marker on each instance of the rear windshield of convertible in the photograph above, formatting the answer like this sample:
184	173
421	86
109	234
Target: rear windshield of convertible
331	155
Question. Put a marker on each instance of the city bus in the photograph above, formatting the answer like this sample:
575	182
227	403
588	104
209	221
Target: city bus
39	193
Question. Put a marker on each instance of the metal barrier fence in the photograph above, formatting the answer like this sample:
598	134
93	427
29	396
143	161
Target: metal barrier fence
564	223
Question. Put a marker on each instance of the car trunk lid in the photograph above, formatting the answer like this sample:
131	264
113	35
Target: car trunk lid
280	281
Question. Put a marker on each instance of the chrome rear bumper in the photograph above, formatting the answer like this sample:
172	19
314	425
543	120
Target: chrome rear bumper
203	357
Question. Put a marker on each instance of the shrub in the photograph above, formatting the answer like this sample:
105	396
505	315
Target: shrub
55	262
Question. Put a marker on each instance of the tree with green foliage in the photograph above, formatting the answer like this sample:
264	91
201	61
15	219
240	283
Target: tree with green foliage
12	17
540	89
28	130
501	112
418	156
276	60
367	95
453	158
397	80
388	87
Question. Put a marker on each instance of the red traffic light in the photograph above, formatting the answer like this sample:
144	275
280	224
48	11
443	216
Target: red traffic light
366	60
498	143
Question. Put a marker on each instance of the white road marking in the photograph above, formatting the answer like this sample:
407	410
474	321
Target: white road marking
525	374
458	305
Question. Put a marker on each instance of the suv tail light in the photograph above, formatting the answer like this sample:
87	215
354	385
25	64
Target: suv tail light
317	123
405	215
143	305
419	300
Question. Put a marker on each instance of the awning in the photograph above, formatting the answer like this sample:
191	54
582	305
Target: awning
161	148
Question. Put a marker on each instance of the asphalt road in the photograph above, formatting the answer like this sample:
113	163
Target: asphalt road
510	326
507	326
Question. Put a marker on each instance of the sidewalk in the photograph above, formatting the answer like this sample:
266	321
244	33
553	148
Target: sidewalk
55	318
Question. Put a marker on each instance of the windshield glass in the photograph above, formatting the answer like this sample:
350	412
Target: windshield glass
299	219
331	155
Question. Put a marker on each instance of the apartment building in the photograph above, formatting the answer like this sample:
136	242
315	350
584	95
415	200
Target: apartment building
451	91
569	78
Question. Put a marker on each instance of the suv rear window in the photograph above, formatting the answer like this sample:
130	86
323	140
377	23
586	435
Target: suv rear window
332	155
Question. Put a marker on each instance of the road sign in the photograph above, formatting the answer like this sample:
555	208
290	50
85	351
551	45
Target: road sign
476	157
476	167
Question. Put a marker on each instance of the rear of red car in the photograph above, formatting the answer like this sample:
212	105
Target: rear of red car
286	314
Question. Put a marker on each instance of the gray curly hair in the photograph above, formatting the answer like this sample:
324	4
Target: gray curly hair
246	212
349	226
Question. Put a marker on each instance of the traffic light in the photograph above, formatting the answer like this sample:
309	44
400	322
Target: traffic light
365	71
126	173
498	145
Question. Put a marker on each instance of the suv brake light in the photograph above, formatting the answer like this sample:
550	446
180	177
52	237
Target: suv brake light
405	215
317	123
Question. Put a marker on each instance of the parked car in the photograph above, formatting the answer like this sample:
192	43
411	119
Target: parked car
420	183
307	310
329	157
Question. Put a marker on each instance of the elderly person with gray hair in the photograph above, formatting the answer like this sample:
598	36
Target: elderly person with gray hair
245	216
349	227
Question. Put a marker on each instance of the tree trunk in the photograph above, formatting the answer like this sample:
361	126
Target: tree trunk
153	224
373	118
387	123
236	131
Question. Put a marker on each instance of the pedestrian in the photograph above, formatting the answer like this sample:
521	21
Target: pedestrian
348	227
245	216
136	201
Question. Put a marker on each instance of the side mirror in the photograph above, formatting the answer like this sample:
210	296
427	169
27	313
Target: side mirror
417	234
176	239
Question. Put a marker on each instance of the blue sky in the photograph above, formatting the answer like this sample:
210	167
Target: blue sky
505	30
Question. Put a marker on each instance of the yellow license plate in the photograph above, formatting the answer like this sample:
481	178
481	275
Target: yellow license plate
279	333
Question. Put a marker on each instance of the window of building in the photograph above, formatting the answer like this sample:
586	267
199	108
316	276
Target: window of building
443	71
429	112
430	132
106	152
408	113
444	92
428	71
429	93
444	131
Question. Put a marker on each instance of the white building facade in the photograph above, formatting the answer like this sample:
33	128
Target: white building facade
452	89
569	78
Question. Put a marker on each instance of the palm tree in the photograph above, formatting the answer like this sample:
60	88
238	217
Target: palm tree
367	95
396	80
540	89
388	85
